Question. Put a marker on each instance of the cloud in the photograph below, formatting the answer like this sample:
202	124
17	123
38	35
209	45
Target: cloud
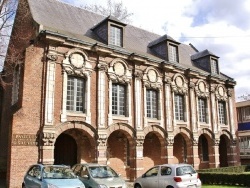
233	12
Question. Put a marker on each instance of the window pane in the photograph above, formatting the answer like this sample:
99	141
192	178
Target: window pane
214	66
75	94
222	112
118	99
179	107
152	104
202	110
173	53
115	36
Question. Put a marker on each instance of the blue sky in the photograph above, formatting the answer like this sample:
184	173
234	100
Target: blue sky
221	26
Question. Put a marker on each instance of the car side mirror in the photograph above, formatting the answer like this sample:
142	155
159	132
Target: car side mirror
143	175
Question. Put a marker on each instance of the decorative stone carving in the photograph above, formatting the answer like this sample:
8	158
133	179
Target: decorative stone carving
48	139
102	140
220	93
118	72
216	142
52	57
229	92
201	90
170	141
179	81
138	74
195	141
179	85
152	76
139	140
119	69
102	67
77	60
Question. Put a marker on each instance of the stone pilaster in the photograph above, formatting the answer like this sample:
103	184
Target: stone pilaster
214	155
138	97
102	69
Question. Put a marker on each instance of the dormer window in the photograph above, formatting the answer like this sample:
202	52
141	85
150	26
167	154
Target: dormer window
115	37
214	69
206	61
173	53
166	48
110	31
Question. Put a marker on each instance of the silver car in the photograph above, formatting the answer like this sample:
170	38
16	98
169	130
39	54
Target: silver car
169	176
51	176
98	176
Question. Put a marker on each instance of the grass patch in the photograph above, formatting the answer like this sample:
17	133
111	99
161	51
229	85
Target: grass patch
224	186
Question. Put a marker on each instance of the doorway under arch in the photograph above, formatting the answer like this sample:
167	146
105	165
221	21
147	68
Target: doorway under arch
65	151
223	149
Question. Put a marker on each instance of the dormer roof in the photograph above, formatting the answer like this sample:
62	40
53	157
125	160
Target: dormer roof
162	39
202	54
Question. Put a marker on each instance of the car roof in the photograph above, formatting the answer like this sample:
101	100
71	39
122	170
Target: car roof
92	164
175	165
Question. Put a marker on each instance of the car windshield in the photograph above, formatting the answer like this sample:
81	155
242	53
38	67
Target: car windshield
58	172
102	172
185	170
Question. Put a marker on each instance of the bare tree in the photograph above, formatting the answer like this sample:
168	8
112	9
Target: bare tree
112	8
13	38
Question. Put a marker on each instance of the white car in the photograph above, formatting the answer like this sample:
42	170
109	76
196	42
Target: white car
169	176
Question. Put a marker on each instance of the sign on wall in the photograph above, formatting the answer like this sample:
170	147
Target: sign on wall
24	140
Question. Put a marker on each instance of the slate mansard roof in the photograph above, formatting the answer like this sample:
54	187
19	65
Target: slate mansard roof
76	24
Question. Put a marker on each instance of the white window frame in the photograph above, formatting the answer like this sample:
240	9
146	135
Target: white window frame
118	98
116	35
173	53
152	103
214	66
179	112
222	112
74	107
202	109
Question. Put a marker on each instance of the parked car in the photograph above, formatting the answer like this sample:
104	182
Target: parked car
98	176
169	176
51	176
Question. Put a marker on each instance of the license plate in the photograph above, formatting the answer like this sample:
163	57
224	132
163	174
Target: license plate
192	186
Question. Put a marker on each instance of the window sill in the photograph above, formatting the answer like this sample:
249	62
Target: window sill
76	114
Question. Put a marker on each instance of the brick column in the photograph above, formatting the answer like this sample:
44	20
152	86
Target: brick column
170	150
214	160
46	151
101	156
195	159
139	156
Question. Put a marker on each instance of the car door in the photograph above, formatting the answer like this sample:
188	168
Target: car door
150	178
33	177
166	175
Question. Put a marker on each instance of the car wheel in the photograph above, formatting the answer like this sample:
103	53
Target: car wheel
137	186
169	186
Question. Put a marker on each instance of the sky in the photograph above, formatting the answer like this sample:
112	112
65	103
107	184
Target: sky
220	26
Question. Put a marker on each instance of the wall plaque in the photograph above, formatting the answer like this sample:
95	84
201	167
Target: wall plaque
24	140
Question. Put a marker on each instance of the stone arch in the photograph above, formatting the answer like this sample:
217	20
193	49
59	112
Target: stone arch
185	132
227	134
82	126
160	132
125	128
208	133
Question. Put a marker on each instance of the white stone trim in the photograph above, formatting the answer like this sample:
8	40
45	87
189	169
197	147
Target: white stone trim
50	90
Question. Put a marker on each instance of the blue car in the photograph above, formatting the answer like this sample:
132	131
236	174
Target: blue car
51	176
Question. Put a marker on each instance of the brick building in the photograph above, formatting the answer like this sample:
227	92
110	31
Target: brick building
94	89
243	118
